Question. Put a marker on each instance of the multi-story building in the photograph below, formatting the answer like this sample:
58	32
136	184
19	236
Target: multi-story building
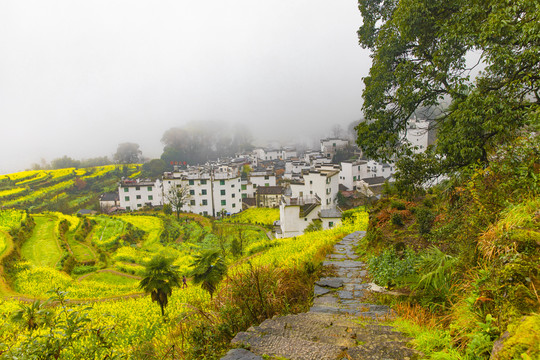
330	146
211	191
309	200
135	194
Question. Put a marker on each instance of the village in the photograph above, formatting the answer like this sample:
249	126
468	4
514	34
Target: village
304	186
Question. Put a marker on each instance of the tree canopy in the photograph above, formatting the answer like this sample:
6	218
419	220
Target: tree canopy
159	279
197	143
422	51
128	153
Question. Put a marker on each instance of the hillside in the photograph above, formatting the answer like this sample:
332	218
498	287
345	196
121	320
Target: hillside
465	258
66	190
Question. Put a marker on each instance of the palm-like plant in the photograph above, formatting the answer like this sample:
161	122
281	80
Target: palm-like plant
159	279
209	270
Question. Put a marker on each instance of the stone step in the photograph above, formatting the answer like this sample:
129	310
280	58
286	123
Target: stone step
321	336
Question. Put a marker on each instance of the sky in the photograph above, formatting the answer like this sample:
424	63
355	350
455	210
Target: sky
77	78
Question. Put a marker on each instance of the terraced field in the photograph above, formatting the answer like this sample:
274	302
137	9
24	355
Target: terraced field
42	248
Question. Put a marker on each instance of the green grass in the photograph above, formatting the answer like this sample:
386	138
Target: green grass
3	242
111	278
42	248
82	252
106	230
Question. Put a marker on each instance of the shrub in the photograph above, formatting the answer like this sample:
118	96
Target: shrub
396	219
425	218
398	205
83	269
391	269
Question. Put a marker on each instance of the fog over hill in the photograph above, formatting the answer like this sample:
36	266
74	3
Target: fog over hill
77	78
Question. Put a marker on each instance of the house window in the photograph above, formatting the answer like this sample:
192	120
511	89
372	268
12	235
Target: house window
191	182
126	198
128	208
192	202
233	195
221	182
139	205
331	224
149	188
305	219
232	185
354	178
138	197
205	212
266	177
244	196
222	192
233	205
244	187
203	192
254	186
150	197
310	182
191	192
203	182
223	202
205	202
310	192
126	190
137	188
267	184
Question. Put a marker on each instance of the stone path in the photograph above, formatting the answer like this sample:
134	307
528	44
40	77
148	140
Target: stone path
339	325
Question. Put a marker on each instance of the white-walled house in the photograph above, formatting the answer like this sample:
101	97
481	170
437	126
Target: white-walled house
417	134
351	172
262	178
330	146
135	194
323	183
211	191
314	198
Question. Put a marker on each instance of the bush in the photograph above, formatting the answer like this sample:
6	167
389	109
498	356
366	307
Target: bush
398	205
389	268
425	218
396	219
83	269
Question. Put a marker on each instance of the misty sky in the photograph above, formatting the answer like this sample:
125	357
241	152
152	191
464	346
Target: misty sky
79	77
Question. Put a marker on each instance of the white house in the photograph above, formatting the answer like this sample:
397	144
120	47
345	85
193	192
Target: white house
323	183
135	194
262	178
352	171
313	198
211	191
417	134
330	146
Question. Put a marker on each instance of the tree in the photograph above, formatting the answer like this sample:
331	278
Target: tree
177	196
420	52
208	270
128	153
160	277
154	168
65	162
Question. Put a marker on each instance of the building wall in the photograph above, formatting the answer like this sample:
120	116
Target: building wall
329	223
209	197
291	222
136	195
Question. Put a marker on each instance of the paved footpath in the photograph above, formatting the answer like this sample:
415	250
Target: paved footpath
339	325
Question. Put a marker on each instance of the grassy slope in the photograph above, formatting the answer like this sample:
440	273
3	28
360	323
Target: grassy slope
42	248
